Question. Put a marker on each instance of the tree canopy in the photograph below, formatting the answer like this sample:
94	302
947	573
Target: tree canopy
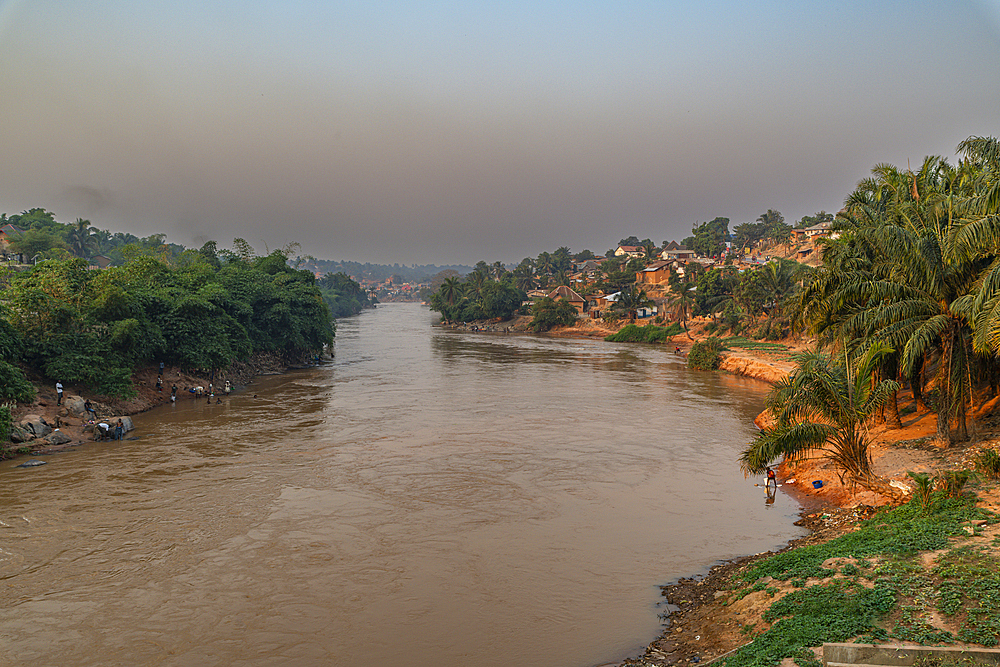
95	327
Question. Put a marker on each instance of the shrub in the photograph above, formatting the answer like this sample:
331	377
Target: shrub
704	355
551	312
952	482
988	463
650	333
13	385
925	486
6	421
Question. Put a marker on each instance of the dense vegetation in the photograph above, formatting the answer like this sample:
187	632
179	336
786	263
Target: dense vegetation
201	311
915	270
343	296
46	238
484	294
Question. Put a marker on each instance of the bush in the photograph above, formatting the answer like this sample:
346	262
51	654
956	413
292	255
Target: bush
953	482
551	312
13	385
988	463
650	333
6	421
704	355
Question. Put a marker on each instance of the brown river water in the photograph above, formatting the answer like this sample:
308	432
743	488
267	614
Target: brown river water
429	499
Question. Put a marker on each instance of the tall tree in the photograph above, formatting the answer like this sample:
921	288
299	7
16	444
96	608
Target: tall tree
710	237
80	238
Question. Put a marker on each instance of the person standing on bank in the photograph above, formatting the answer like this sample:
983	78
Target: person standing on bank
59	392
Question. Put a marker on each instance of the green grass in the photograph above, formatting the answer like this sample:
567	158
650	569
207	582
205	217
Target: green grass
748	344
886	594
632	333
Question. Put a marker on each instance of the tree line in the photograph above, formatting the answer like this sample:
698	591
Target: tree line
201	311
46	238
908	294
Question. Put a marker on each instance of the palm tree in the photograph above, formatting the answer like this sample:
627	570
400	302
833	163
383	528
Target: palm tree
474	284
524	279
81	242
545	264
562	259
825	405
451	290
909	282
775	228
631	299
683	301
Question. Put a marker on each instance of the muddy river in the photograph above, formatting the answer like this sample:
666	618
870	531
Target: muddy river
429	499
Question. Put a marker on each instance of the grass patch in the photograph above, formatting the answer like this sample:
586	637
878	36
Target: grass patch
810	616
633	333
904	530
892	600
749	344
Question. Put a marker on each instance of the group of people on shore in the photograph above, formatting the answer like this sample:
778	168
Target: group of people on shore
200	391
103	431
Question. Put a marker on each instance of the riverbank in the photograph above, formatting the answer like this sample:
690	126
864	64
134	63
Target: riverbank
72	421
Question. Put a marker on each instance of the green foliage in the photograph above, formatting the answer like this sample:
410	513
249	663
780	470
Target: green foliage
901	594
747	344
6	422
924	487
650	333
808	617
902	531
93	328
343	296
13	385
952	482
705	355
547	313
710	237
988	463
970	589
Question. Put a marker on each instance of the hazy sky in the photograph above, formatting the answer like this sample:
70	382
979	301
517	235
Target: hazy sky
449	132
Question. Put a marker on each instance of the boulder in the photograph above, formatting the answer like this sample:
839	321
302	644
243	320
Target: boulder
74	405
36	425
57	438
19	435
126	422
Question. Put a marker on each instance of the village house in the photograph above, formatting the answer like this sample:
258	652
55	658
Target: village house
9	233
100	262
566	294
657	273
821	230
589	265
678	253
630	250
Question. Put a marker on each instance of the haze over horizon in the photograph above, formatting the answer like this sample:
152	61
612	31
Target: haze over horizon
452	132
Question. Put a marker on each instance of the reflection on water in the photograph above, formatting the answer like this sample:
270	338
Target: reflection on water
431	498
